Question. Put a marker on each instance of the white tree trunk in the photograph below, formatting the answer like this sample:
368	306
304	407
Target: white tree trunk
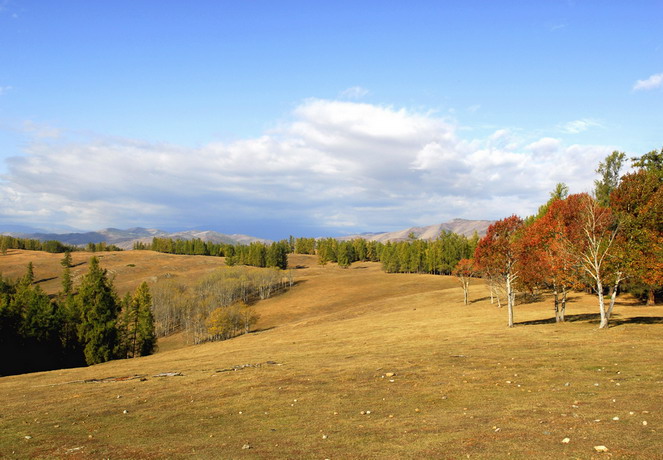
510	296
604	316
466	290
613	294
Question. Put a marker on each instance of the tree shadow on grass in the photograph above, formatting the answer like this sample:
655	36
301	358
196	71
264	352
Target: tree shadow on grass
595	318
637	320
257	331
43	280
591	317
480	300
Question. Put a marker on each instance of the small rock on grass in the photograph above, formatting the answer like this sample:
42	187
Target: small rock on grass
601	449
246	446
566	440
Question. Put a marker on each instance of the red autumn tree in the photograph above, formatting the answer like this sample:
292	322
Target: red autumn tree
547	258
497	253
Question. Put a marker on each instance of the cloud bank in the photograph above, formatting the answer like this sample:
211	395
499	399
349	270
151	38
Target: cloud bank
334	165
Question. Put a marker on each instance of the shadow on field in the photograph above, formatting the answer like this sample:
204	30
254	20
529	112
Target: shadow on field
615	320
43	280
591	317
480	300
257	331
637	320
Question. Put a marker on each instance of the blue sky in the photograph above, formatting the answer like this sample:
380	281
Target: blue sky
315	118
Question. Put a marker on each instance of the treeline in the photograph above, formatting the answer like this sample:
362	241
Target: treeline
599	242
87	324
52	246
439	256
102	247
218	306
255	254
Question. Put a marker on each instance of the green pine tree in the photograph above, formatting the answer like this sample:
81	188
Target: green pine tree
98	307
145	336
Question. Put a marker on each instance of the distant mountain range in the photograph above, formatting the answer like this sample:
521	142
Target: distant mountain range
459	226
125	239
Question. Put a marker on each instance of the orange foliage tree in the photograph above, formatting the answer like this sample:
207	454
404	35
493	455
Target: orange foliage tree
497	253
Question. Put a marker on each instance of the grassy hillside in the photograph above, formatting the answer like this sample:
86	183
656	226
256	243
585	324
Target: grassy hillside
316	381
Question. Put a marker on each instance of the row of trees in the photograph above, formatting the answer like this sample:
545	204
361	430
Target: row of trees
439	256
52	246
218	306
195	246
581	241
260	255
86	325
255	254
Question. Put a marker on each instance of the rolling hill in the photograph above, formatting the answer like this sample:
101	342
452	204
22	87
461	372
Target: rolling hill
353	363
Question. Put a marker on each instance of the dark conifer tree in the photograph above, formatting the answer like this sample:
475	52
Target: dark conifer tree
98	307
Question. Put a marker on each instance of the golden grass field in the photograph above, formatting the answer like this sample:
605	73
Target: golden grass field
320	385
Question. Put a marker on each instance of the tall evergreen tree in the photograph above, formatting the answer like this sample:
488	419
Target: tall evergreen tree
67	283
144	338
29	276
98	307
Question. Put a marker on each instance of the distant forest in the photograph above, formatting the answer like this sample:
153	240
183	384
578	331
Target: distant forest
52	246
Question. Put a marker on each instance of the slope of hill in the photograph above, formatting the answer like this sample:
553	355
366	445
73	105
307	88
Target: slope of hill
459	226
357	363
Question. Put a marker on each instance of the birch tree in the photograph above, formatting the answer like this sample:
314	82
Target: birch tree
497	252
464	271
599	230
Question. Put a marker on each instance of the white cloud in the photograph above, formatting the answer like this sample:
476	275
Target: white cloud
579	126
653	82
334	164
354	92
545	146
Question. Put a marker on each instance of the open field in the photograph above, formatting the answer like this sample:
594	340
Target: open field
318	382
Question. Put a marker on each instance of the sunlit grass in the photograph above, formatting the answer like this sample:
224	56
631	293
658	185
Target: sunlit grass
463	383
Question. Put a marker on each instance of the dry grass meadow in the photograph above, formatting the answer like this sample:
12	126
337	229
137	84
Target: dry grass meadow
349	364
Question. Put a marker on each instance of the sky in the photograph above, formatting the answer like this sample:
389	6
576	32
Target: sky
276	118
